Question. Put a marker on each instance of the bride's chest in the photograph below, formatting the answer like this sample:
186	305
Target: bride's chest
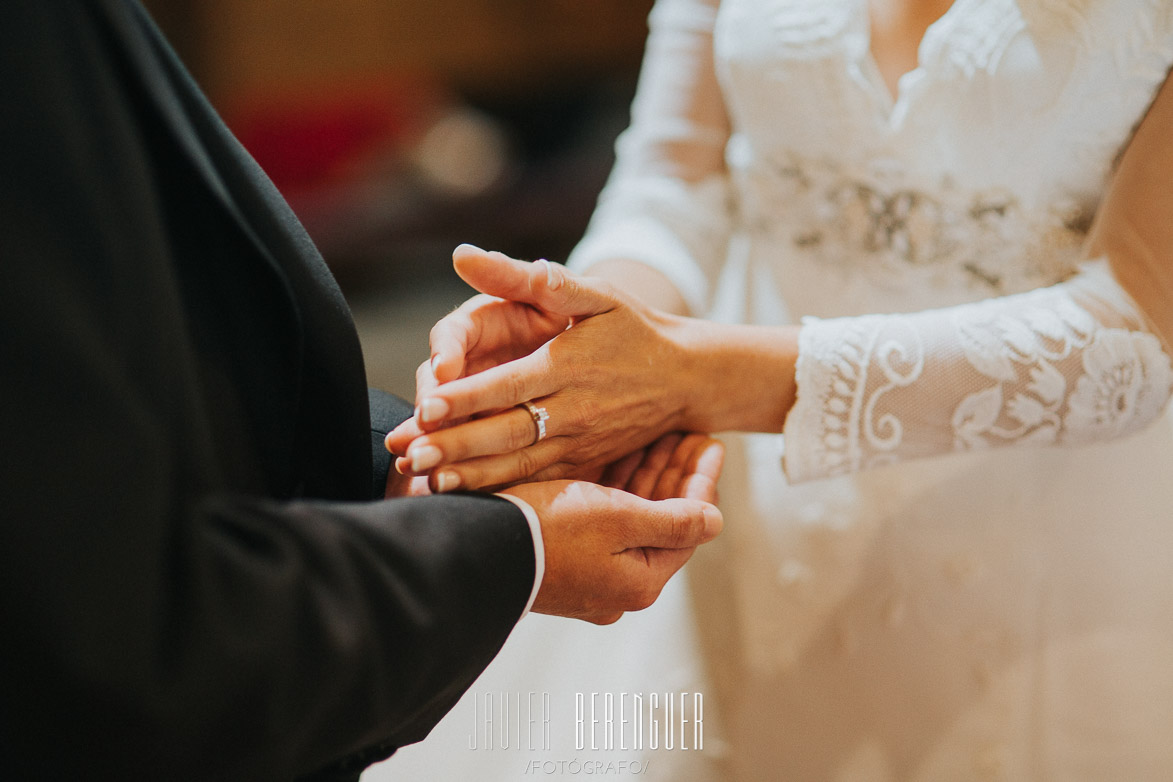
1001	87
768	36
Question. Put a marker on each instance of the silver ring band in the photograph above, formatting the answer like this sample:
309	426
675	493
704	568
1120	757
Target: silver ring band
540	417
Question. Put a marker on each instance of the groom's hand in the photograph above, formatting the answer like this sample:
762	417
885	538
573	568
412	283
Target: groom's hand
676	465
608	551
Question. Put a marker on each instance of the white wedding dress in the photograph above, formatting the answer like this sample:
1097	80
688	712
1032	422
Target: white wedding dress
894	597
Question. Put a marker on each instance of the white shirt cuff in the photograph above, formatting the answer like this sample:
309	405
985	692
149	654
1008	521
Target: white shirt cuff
535	527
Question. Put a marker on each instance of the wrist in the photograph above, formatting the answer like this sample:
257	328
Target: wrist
737	377
535	525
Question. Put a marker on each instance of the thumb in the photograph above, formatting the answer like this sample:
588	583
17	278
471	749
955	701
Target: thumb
673	524
545	285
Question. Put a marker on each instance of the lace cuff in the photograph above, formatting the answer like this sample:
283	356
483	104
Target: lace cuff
1068	364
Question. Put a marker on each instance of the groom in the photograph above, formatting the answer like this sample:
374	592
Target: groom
200	577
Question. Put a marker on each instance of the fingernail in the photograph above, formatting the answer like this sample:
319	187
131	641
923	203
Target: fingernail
435	362
401	465
469	248
449	481
424	458
433	410
554	278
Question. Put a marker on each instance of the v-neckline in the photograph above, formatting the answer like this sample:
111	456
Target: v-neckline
896	102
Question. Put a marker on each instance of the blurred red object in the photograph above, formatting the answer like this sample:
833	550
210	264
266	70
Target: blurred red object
313	140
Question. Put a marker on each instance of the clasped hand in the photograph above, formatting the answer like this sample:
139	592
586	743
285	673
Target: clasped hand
640	494
612	384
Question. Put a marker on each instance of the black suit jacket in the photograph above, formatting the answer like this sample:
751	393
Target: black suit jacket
194	580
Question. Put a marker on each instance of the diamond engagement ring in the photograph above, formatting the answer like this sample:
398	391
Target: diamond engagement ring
540	417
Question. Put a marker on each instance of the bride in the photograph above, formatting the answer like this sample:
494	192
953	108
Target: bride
918	232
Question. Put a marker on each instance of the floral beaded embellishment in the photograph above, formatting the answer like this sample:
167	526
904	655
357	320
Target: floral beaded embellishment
877	224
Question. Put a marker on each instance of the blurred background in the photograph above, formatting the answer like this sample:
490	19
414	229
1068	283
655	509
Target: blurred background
399	129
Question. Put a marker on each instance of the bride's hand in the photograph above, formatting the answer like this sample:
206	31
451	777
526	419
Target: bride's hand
485	331
611	384
675	466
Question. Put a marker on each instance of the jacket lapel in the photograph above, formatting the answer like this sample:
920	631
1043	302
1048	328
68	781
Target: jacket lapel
171	90
333	405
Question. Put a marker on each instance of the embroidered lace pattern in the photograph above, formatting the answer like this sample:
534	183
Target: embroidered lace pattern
1061	365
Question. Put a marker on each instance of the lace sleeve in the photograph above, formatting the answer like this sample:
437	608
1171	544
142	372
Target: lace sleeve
666	203
1081	361
1063	365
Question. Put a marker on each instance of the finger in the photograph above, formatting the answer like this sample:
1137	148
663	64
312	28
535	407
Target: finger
674	524
591	473
425	380
500	470
418	488
452	338
682	462
401	437
485	331
618	474
425	383
401	485
701	484
543	284
671	475
507	431
643	482
499	387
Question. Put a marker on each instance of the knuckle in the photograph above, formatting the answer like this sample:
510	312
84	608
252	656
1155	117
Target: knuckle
680	530
585	446
452	445
514	386
587	413
456	326
536	280
521	432
527	463
644	597
472	478
553	472
474	303
443	327
547	361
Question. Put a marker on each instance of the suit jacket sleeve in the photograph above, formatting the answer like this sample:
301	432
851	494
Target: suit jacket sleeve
160	622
